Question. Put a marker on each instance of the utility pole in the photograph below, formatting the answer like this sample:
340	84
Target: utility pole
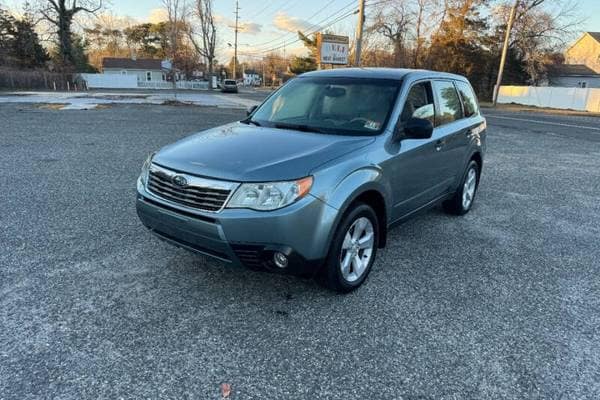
237	19
359	31
511	19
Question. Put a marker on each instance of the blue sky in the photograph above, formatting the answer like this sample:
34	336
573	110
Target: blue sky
269	23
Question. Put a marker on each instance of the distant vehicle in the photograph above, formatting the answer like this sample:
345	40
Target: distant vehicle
312	180
229	85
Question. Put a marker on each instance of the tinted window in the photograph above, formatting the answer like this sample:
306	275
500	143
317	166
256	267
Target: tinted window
468	98
450	108
419	103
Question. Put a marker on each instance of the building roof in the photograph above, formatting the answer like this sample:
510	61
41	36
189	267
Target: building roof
572	70
128	63
380	73
595	35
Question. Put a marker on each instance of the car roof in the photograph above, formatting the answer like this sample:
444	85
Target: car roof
382	73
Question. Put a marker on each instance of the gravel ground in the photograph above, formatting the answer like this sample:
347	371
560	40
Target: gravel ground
502	303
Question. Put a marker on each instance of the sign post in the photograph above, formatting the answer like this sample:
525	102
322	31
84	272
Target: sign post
332	49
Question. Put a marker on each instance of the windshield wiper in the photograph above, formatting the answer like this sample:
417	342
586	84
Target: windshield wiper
298	127
249	121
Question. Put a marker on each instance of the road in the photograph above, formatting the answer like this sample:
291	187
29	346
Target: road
502	303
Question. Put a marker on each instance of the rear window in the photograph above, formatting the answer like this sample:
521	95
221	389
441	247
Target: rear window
229	82
468	98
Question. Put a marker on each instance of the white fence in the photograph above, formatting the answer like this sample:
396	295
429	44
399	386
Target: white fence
190	85
116	81
110	81
553	97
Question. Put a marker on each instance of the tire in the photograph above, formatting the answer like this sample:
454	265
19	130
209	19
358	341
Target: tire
463	199
349	262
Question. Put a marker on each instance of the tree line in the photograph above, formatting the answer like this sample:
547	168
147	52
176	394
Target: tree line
464	37
460	36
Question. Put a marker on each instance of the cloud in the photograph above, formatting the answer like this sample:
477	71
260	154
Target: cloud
219	19
157	15
287	23
250	28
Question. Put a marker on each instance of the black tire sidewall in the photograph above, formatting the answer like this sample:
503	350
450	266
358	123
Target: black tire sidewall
335	280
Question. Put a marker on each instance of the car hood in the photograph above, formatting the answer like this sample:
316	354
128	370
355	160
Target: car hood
248	153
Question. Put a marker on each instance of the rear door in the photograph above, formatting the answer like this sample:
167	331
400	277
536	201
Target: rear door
450	133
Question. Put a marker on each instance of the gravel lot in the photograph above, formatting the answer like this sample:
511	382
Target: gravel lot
502	303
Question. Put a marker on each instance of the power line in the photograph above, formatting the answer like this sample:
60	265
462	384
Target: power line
338	19
285	5
262	44
313	28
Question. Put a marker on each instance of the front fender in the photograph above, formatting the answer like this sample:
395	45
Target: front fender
356	183
340	195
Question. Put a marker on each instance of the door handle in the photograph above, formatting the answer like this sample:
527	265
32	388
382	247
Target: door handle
439	144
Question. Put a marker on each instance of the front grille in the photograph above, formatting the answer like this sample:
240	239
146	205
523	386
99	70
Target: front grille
197	193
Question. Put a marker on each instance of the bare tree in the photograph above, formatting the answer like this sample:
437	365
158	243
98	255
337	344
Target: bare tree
424	15
176	10
394	23
541	28
60	14
175	15
207	31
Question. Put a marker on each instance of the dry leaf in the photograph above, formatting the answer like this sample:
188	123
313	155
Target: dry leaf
225	390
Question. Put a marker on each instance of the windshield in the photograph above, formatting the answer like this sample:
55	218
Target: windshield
344	106
228	82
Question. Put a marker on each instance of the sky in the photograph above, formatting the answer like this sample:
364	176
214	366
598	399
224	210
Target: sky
272	24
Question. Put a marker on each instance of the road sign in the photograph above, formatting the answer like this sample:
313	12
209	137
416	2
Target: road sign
332	49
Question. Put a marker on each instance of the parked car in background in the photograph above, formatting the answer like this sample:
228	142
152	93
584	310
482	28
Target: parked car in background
313	179
229	86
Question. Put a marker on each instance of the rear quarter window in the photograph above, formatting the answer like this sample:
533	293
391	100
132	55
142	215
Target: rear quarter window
450	108
468	98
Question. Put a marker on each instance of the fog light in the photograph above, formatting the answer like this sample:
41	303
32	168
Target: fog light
280	259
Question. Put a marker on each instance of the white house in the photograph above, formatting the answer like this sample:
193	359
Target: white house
582	64
573	75
146	69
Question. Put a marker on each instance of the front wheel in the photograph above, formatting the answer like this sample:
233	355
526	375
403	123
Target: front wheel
462	201
353	250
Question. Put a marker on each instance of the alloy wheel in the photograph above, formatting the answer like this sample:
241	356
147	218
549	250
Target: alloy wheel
357	249
469	188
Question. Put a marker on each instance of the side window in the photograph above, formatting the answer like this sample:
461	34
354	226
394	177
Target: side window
450	108
419	103
468	98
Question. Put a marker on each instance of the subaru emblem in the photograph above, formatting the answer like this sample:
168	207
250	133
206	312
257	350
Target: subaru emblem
179	180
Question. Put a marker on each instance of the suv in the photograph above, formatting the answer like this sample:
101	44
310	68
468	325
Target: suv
312	180
229	86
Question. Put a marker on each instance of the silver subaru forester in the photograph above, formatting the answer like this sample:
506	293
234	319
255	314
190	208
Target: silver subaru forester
311	181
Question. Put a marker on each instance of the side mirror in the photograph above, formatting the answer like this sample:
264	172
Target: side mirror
418	128
250	110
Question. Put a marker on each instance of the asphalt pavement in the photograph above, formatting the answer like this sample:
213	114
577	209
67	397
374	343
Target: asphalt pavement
503	303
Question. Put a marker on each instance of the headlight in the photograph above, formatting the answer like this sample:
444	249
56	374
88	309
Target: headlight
146	169
269	195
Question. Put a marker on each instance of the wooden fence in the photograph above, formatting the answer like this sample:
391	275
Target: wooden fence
37	79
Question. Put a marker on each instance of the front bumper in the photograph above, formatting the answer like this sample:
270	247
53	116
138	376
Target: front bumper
244	237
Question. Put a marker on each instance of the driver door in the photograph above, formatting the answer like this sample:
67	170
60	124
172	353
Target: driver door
415	165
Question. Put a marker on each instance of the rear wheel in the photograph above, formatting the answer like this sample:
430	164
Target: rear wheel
463	199
353	250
